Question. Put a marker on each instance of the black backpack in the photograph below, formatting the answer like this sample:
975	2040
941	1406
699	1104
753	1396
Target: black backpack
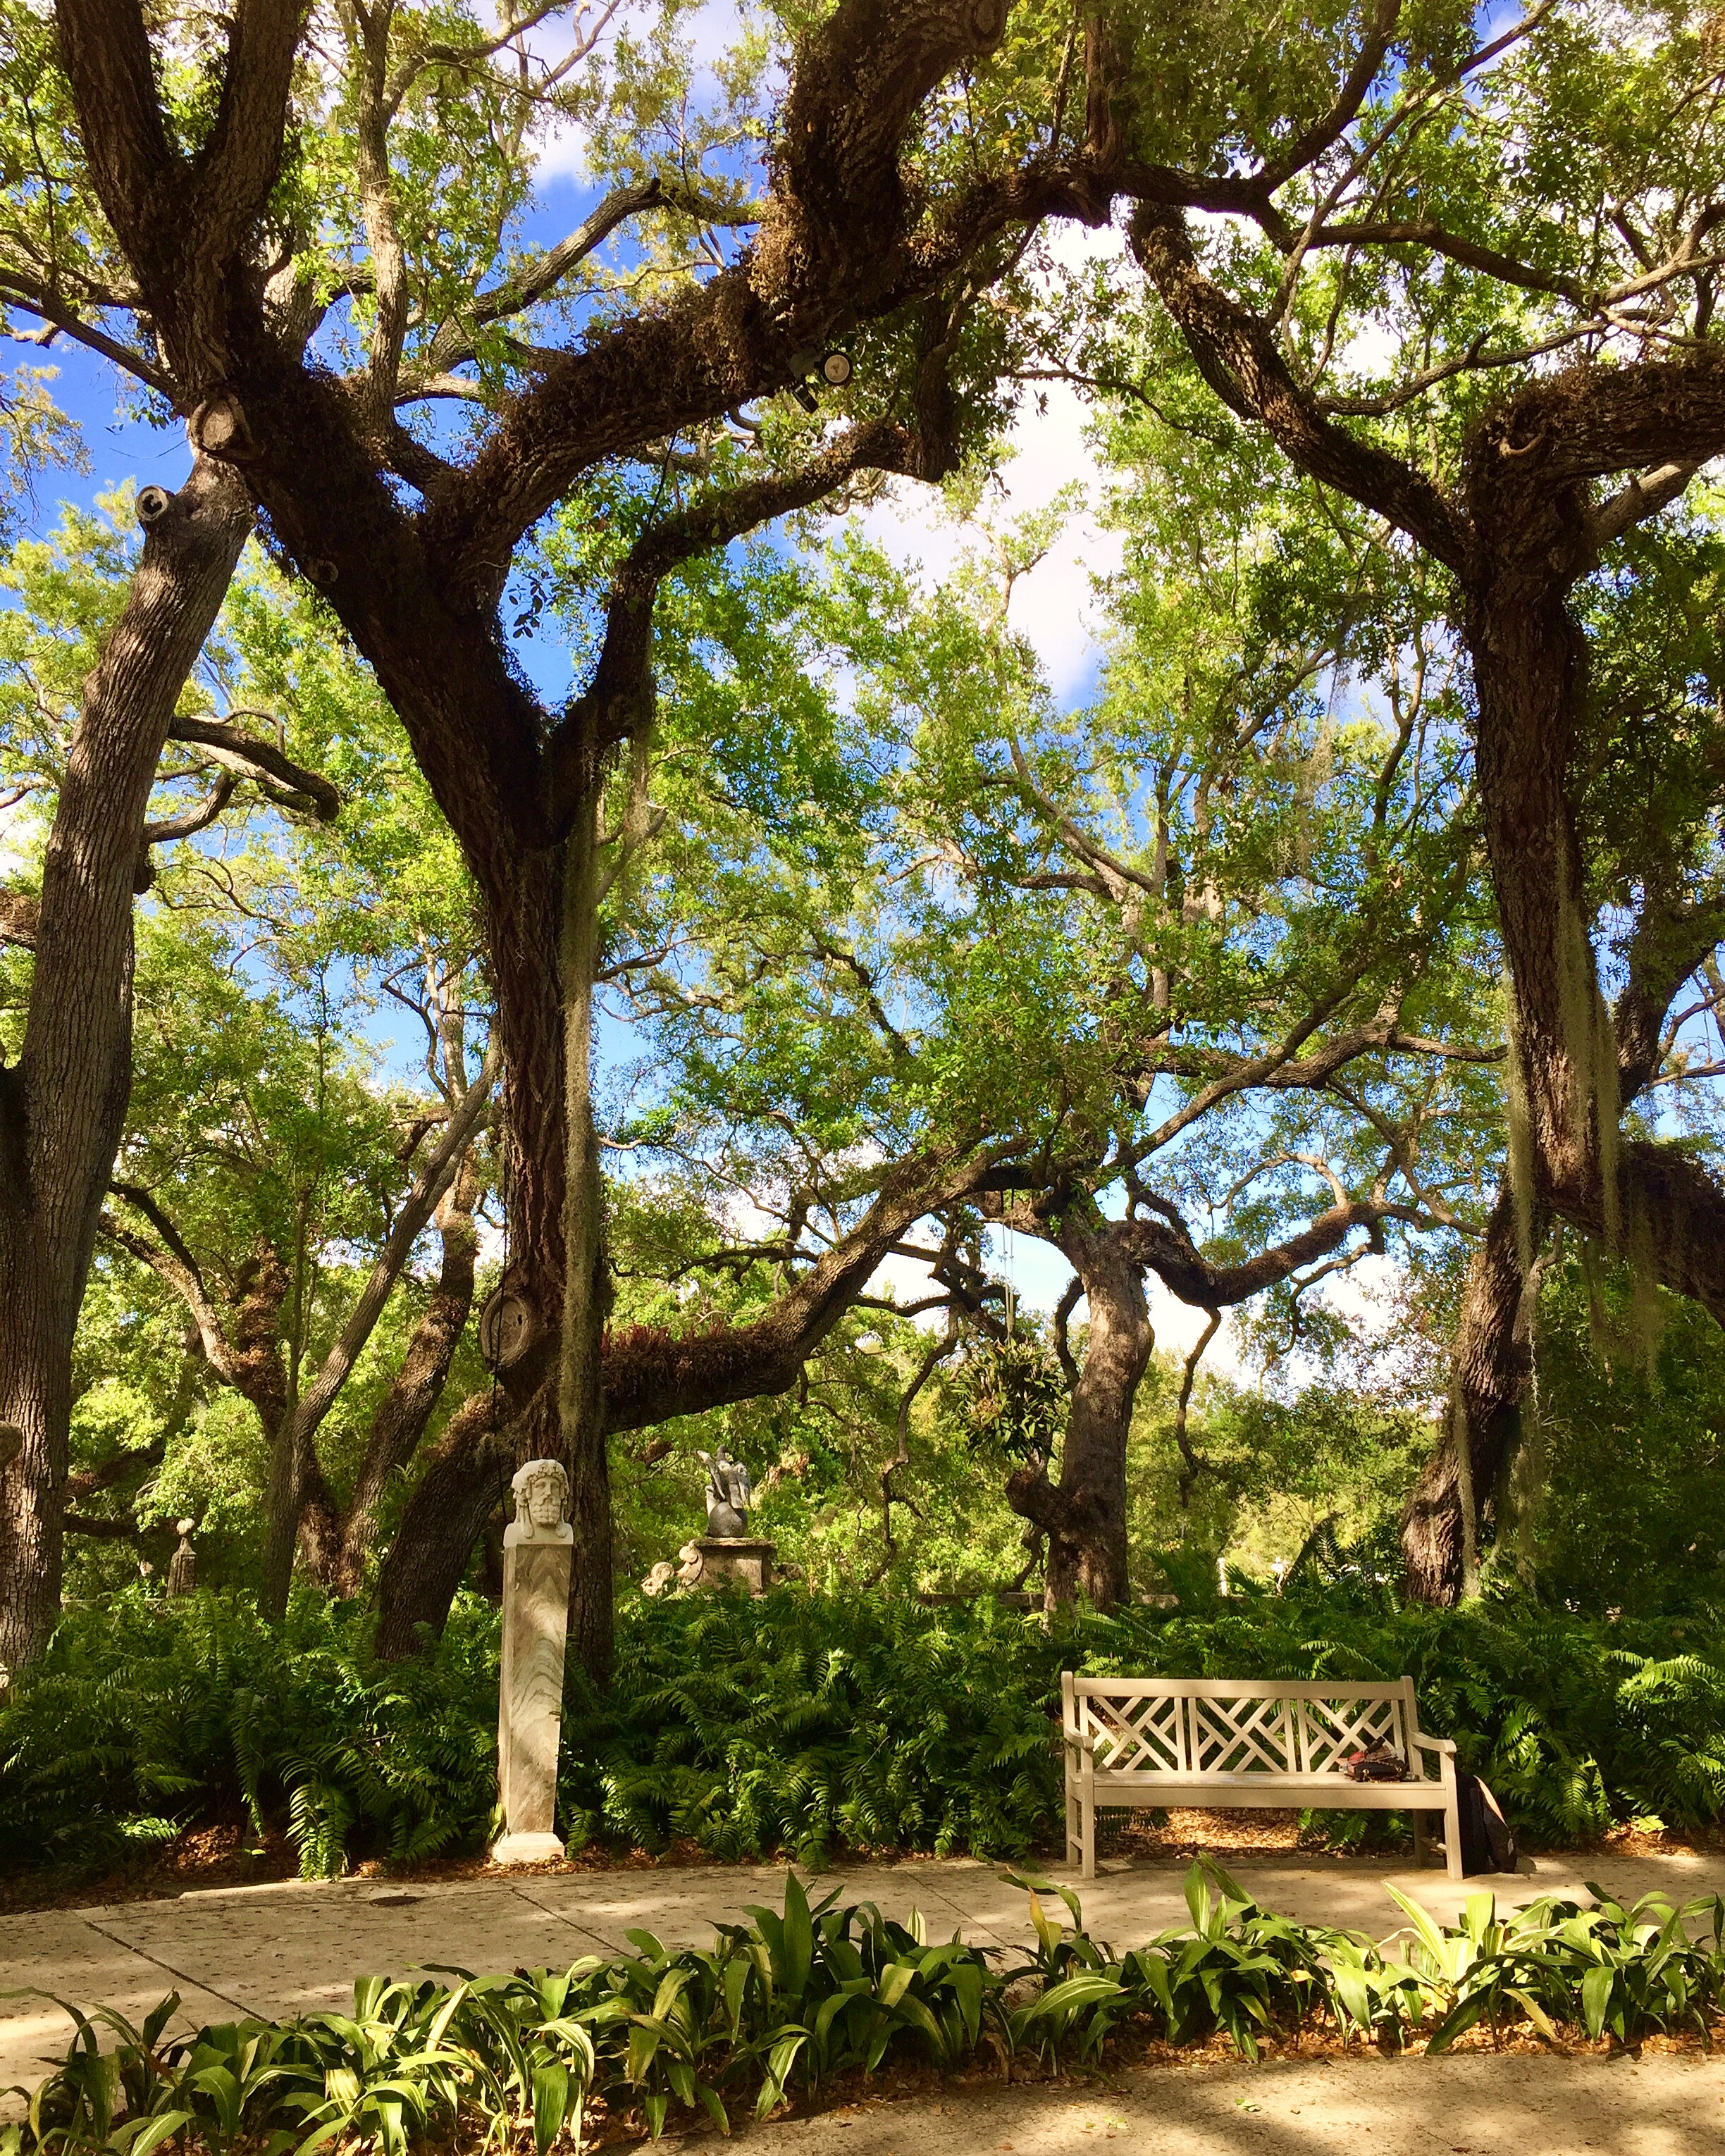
1488	1841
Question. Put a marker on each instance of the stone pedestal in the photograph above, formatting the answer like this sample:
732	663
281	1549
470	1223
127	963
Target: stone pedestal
738	1560
530	1704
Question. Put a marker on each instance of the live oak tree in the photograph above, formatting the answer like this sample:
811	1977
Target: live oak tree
1240	965
1484	313
258	241
86	731
1202	941
259	1160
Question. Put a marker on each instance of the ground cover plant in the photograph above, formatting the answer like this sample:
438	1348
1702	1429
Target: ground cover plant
798	1996
799	1723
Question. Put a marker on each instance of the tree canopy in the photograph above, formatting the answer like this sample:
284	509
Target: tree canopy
521	660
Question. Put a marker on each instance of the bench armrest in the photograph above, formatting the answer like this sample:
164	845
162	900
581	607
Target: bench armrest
1432	1743
1079	1740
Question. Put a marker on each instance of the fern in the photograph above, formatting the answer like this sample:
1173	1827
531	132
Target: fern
794	1723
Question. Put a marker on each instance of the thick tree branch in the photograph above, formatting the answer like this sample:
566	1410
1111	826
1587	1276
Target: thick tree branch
1185	1272
1239	357
226	743
648	1378
1644	496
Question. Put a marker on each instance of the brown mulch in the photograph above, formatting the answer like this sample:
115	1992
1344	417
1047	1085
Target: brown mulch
1265	1834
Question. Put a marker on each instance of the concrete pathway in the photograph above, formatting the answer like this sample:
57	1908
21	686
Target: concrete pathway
1470	2104
284	1950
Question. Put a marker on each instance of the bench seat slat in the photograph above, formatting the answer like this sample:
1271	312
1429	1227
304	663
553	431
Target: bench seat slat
1276	1792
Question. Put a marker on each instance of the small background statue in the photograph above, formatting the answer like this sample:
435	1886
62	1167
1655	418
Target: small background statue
183	1565
541	1500
728	1496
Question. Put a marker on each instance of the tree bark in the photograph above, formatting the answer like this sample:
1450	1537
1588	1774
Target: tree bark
647	1377
1084	1514
587	1287
465	1482
63	1104
1493	1364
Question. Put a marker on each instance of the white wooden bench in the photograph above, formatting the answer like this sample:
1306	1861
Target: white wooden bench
1217	1743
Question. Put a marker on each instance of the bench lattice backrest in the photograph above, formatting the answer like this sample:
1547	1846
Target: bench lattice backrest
1189	1727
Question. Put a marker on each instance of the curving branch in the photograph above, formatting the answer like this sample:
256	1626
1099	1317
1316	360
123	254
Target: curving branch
1241	360
619	698
1186	1272
648	1377
198	818
289	784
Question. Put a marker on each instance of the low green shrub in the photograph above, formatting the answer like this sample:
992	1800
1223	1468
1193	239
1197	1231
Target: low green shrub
797	1722
798	1996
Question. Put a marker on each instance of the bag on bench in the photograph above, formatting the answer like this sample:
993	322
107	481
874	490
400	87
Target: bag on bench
1378	1763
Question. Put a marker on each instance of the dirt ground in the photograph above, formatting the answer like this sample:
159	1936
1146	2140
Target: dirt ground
210	1858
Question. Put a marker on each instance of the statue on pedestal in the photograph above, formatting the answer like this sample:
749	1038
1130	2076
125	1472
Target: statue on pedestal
728	1496
538	1544
727	1554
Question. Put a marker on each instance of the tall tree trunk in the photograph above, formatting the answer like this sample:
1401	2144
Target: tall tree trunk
551	1404
518	1418
1084	1513
62	1105
1491	1366
466	1479
586	1296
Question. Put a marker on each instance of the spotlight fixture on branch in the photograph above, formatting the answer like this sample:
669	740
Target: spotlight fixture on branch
832	368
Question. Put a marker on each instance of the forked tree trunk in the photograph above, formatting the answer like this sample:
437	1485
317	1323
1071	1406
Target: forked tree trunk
561	1416
63	1104
1084	1514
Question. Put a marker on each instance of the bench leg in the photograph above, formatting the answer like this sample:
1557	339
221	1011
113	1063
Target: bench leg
1452	1837
1090	1825
1422	1839
1074	1848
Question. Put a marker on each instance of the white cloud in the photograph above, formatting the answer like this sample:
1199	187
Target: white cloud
1054	606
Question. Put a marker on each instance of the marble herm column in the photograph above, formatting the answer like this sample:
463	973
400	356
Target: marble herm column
538	1545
